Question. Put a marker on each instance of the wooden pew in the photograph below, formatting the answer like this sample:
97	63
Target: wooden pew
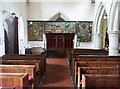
93	61
77	52
89	60
30	69
25	62
98	58
41	57
7	87
89	51
96	70
23	56
93	64
17	80
93	58
100	81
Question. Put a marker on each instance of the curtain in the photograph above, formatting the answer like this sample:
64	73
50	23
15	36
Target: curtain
6	42
16	46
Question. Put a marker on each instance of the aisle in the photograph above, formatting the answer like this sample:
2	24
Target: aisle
57	75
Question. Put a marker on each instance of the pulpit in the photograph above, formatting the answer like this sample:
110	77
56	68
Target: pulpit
59	43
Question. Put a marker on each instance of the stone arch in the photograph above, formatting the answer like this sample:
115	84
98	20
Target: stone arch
114	28
113	16
8	25
100	12
99	34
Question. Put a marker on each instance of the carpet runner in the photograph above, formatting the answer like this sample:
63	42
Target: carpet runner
57	75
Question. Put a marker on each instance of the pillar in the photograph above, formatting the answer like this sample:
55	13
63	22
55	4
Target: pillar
113	43
98	41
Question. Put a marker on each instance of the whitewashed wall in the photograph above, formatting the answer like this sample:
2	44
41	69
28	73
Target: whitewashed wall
1	32
74	10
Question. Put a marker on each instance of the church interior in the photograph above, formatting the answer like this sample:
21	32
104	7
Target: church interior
63	44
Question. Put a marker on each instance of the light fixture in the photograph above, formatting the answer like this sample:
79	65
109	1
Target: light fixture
93	2
105	17
31	23
27	1
13	13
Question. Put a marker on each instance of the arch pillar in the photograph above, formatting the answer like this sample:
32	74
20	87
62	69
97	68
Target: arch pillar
98	34
113	43
97	41
114	30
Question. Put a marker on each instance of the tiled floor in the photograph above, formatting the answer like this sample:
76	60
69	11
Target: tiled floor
57	75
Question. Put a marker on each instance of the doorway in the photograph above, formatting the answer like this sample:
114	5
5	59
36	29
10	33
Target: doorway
104	28
10	25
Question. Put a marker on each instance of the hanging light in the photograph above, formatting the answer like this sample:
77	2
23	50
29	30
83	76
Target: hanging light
93	2
31	23
105	17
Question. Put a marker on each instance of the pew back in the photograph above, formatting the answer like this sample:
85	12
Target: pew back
30	69
100	81
115	64
99	61
89	51
96	70
92	64
37	63
99	58
29	57
17	80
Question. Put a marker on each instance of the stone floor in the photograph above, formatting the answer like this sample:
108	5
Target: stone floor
57	75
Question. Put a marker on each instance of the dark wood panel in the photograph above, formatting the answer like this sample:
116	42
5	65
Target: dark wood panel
17	80
59	43
100	81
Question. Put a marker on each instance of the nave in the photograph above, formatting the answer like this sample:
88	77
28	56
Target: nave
57	75
90	69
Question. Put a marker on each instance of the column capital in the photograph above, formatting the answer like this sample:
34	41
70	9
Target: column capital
97	34
113	43
113	32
